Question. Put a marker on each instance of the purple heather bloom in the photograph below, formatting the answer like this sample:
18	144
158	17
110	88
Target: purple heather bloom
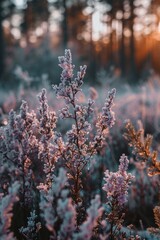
117	184
107	119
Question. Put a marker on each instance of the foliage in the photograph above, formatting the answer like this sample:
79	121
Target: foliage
141	147
47	190
6	208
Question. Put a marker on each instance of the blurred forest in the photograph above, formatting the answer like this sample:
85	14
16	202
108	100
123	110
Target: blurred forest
121	36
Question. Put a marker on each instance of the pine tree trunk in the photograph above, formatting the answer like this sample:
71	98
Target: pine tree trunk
122	48
65	26
1	45
132	46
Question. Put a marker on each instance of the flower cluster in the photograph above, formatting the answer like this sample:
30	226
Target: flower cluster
69	86
107	118
82	142
117	184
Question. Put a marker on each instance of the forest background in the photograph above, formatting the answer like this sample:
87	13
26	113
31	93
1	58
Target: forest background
117	37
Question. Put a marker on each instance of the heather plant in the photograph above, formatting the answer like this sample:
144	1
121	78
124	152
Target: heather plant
53	199
116	187
61	220
32	228
80	146
17	145
29	140
142	149
6	207
143	195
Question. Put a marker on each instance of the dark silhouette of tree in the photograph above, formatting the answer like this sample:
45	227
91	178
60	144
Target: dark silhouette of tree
6	10
36	11
133	70
111	15
116	6
124	63
65	24
77	21
92	56
122	41
62	5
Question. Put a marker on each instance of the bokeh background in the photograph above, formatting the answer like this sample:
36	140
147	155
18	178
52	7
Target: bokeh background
120	38
119	41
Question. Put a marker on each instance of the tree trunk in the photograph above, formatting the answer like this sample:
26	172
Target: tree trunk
132	46
122	47
92	56
2	53
65	26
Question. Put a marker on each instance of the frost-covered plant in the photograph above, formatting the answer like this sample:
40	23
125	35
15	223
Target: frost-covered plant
47	123
32	228
52	197
94	212
79	146
67	214
59	212
51	166
18	144
6	211
116	187
117	184
156	230
141	147
144	190
57	208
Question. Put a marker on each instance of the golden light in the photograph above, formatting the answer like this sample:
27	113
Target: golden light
6	24
138	27
157	33
39	32
23	43
16	33
158	29
97	26
33	39
53	27
147	31
16	20
106	40
127	32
